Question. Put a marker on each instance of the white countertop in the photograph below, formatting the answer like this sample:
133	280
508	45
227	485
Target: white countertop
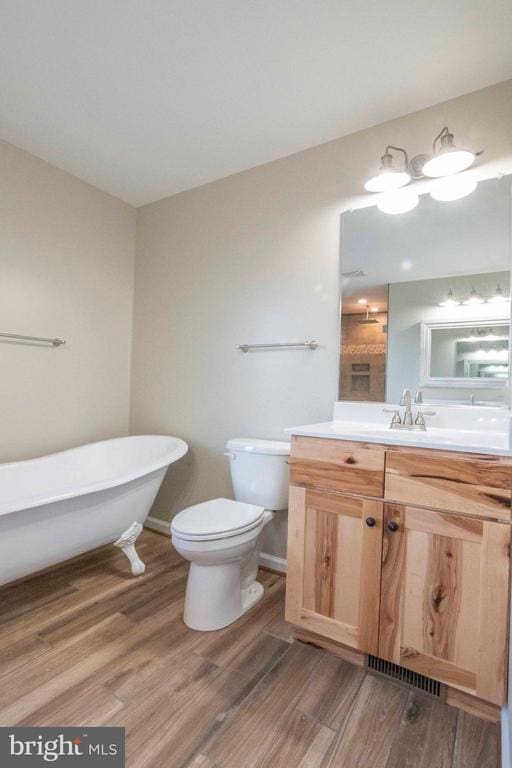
468	429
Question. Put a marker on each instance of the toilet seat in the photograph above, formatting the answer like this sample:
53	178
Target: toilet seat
216	519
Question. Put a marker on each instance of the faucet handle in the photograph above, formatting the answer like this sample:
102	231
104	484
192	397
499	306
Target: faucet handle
420	418
397	419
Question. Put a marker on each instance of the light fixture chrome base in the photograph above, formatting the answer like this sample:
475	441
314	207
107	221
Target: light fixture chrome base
416	166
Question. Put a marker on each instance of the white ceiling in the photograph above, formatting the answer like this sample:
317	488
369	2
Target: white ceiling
145	98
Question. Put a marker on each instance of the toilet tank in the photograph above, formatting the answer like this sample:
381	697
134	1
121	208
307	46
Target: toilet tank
259	471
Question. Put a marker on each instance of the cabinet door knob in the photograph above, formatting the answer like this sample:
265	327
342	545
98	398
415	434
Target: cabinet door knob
392	526
370	522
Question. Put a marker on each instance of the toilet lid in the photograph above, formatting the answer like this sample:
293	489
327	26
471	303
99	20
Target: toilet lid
255	445
216	519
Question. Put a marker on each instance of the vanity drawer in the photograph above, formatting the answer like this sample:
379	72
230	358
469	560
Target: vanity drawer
480	485
337	465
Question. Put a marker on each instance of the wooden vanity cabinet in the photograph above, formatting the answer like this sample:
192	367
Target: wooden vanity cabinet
334	566
444	598
423	587
451	482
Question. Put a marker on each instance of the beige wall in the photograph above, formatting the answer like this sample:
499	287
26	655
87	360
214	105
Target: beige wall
66	269
254	258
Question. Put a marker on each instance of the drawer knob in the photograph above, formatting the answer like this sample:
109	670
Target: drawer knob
392	526
370	522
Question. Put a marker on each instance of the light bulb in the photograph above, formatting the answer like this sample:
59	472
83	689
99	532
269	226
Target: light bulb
448	162
499	297
453	188
449	301
388	179
448	159
362	301
398	201
473	299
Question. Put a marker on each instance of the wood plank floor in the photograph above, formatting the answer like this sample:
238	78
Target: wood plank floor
86	644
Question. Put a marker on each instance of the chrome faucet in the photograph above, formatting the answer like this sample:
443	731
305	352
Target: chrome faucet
405	402
408	420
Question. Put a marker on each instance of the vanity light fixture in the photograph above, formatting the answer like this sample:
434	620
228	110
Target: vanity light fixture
453	188
473	299
499	297
450	301
362	301
447	159
483	334
389	176
398	201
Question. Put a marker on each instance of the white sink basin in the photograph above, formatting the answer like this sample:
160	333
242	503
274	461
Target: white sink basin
471	430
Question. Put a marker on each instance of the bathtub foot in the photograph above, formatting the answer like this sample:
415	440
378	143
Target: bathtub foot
126	544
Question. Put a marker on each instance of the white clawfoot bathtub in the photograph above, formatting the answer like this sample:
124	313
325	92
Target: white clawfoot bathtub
58	506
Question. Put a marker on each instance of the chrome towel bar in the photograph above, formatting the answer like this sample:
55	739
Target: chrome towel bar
17	337
305	344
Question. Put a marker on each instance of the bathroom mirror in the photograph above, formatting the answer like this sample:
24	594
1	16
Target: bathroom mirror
465	354
425	300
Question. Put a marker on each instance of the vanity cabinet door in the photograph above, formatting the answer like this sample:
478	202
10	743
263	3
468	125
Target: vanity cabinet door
444	598
334	563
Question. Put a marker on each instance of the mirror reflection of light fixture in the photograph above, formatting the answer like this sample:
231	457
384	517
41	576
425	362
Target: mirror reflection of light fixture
483	334
449	301
447	160
398	201
389	176
473	299
453	188
368	320
499	297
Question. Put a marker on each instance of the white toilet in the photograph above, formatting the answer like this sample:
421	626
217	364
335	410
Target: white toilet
220	538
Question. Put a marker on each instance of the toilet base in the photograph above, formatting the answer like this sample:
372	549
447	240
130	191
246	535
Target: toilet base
251	595
214	597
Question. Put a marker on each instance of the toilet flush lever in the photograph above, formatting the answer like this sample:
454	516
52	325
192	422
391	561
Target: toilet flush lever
230	455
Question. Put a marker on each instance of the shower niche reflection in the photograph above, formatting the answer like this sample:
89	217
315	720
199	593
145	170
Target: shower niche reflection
363	348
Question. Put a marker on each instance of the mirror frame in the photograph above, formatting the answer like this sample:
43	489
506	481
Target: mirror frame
456	382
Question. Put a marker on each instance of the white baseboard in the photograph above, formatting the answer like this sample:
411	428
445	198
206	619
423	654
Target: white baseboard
271	561
154	524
